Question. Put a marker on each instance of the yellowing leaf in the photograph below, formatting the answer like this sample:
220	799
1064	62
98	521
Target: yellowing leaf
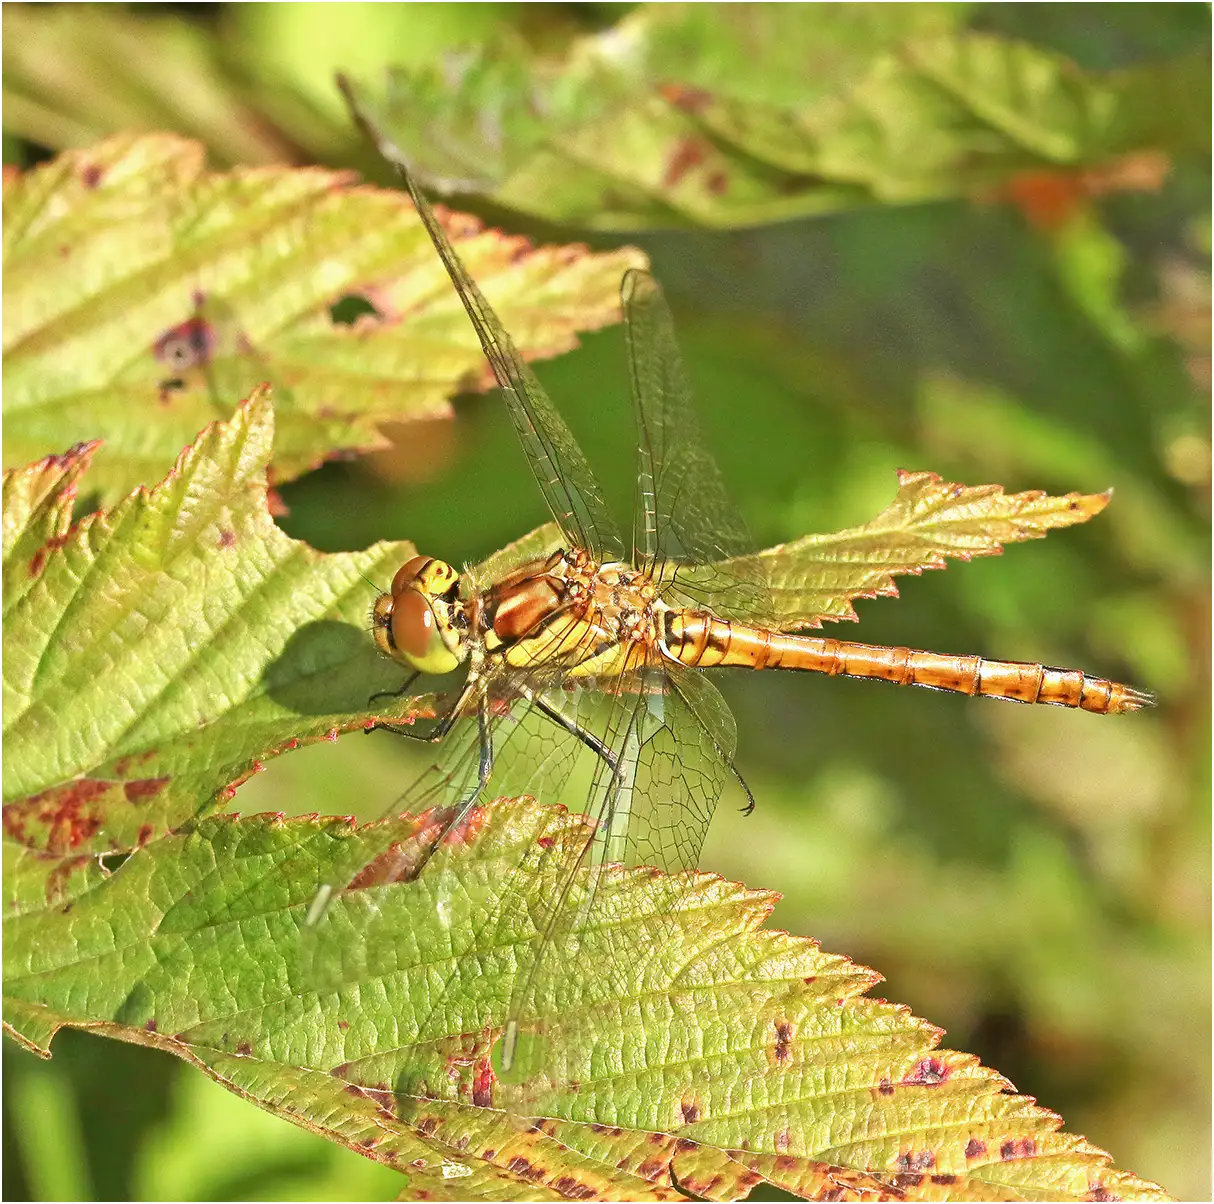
930	521
144	297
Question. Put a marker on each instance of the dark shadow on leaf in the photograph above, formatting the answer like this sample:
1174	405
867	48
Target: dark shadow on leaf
329	668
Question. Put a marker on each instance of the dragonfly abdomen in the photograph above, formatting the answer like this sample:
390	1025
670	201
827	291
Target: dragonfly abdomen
704	641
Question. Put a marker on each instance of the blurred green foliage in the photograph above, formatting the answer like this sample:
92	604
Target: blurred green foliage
1036	883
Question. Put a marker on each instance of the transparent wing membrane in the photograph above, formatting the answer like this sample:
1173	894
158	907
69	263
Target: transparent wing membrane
685	519
561	470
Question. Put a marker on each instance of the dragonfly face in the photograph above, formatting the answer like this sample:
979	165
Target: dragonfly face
421	620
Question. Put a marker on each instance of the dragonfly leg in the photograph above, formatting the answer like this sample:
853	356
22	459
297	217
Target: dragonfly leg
395	693
590	740
750	798
485	767
442	727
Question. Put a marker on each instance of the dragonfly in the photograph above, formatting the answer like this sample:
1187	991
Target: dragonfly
588	653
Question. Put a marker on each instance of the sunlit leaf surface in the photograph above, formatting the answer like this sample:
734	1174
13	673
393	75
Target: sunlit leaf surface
929	522
144	297
739	1054
153	652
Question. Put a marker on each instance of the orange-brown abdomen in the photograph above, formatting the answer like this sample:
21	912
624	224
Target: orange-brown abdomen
703	640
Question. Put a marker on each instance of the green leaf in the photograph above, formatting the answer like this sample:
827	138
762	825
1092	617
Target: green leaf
145	297
72	78
730	1055
817	577
734	115
155	652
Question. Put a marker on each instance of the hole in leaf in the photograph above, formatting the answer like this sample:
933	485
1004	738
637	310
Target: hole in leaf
345	311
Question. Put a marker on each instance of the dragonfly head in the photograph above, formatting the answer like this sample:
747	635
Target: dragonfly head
419	621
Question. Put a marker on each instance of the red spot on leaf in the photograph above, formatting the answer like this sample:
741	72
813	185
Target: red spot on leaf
187	345
690	100
343	1025
520	1166
58	820
545	842
91	175
38	559
142	788
150	1026
1024	1147
944	1180
244	1049
915	1162
482	1084
885	1087
146	832
718	183
227	538
572	1189
975	1148
781	1052
928	1072
652	1168
1098	1191
688	154
342	1071
427	1125
783	1139
690	1109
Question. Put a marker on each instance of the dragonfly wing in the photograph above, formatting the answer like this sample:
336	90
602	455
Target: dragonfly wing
561	470
684	517
596	936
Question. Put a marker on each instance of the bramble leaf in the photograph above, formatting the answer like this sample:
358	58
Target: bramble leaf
145	297
154	652
817	577
737	115
734	1054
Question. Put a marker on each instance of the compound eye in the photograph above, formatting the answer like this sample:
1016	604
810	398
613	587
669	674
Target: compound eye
408	572
417	636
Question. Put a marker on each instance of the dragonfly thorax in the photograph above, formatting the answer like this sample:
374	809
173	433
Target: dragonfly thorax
421	620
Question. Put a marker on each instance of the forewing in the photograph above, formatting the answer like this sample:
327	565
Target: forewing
561	470
685	523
